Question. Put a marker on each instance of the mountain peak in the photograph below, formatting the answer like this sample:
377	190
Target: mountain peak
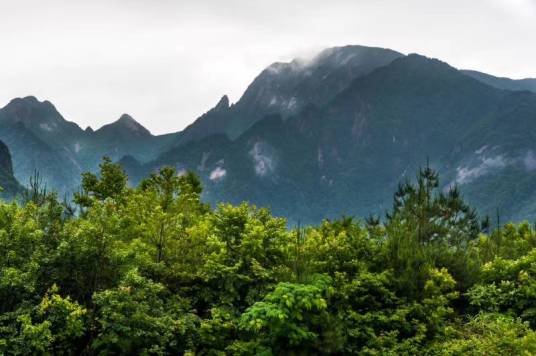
337	57
30	101
126	123
223	104
353	55
35	114
126	118
129	123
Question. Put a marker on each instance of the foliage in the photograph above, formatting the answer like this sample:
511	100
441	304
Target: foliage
136	317
489	334
153	270
290	317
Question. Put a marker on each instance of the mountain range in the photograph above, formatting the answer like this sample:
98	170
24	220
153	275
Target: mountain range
317	138
40	139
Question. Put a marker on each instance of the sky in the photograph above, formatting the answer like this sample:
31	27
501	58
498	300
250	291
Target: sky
165	62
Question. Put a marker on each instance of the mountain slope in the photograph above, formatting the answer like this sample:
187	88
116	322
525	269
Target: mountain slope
8	183
286	88
41	140
124	137
503	83
347	156
31	154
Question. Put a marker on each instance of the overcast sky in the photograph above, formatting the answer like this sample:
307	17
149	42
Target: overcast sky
165	62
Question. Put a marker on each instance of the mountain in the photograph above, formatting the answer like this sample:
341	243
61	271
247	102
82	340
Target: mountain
346	154
127	137
8	183
212	122
40	139
504	83
287	88
319	138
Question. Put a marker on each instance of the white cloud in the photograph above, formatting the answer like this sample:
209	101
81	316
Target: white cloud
217	174
529	160
486	166
262	161
46	127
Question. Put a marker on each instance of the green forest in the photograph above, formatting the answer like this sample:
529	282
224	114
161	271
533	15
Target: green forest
153	270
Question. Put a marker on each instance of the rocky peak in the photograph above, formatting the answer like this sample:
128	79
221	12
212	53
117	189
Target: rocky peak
125	124
126	119
223	104
31	109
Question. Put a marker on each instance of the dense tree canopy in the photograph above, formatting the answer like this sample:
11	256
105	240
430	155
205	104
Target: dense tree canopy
153	270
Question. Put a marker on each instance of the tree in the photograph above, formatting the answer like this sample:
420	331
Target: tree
290	318
161	210
489	334
92	255
111	183
433	214
140	317
21	242
36	192
428	228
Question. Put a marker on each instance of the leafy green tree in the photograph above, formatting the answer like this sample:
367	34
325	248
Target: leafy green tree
55	326
66	321
27	338
163	208
378	320
111	183
510	242
139	316
91	255
291	318
508	286
249	251
339	247
489	334
20	253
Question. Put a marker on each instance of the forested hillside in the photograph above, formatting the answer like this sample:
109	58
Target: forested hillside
154	270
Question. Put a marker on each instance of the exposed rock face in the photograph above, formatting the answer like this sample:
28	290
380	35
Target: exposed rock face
8	182
6	166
